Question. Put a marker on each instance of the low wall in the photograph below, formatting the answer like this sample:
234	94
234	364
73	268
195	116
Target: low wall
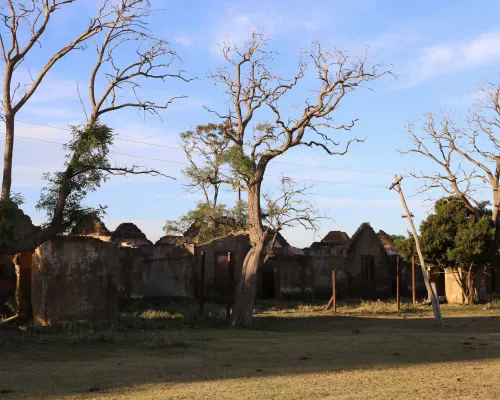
294	276
167	271
325	259
75	278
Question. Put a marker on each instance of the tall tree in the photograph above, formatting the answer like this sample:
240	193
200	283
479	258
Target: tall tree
467	155
121	73
251	86
23	25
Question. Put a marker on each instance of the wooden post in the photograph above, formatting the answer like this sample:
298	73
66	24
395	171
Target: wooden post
202	282
333	300
398	284
413	288
434	299
334	291
229	286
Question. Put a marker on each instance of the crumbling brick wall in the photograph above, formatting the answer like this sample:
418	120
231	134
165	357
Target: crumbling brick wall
167	271
75	278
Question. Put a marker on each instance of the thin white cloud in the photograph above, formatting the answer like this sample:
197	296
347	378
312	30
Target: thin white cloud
183	40
443	58
237	26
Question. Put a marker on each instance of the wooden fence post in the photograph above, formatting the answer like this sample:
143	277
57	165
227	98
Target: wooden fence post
334	291
202	283
413	288
229	286
398	284
333	300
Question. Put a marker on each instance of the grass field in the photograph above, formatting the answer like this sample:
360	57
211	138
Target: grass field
367	351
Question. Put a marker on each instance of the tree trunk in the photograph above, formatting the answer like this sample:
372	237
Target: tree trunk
472	293
247	286
8	153
495	217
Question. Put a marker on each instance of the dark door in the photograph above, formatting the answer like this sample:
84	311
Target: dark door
267	282
224	276
493	279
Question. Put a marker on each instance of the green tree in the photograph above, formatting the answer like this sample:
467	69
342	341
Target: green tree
87	166
406	247
459	239
206	148
206	222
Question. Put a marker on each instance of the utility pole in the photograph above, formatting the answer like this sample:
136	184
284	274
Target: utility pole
435	303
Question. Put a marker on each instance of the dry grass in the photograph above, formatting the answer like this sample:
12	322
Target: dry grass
304	353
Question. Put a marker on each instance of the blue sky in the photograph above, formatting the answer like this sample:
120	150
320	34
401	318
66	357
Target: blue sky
439	51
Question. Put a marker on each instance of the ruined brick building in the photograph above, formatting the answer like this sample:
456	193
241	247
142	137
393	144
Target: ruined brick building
82	277
365	265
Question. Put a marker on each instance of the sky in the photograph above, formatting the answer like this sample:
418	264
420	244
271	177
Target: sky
439	52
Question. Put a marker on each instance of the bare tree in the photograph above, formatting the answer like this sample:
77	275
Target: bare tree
467	155
437	141
153	59
87	164
30	18
290	208
250	85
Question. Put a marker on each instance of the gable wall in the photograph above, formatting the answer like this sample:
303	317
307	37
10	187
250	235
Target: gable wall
369	244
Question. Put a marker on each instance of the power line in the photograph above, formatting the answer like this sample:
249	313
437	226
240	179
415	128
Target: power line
184	163
180	149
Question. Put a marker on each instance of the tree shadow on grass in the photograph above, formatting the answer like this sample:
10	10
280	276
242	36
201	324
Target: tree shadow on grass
277	345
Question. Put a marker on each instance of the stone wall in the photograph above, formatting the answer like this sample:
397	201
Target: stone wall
327	258
294	277
167	271
75	278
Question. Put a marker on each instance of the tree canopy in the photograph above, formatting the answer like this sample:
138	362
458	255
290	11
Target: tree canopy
452	236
